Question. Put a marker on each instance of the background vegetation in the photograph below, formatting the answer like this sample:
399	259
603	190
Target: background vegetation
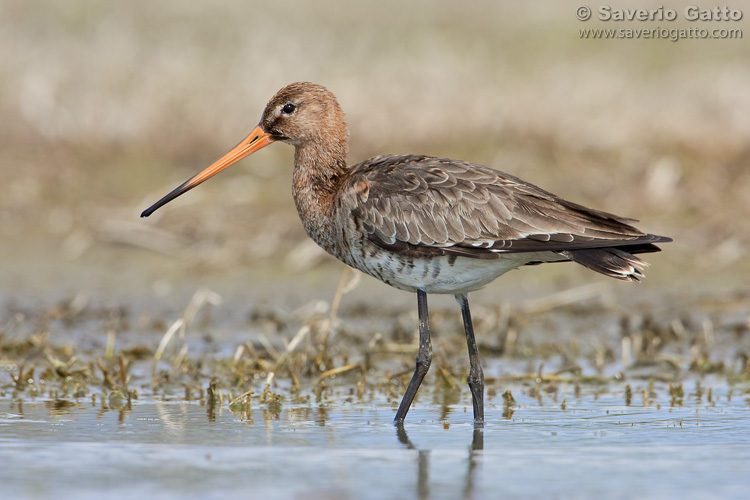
108	105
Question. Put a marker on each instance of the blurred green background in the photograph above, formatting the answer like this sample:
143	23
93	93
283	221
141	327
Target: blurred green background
106	106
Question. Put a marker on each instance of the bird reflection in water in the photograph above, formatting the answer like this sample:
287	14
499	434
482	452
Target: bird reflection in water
423	461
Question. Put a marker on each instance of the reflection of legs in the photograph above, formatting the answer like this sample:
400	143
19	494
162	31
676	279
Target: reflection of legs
476	376
477	444
424	358
423	463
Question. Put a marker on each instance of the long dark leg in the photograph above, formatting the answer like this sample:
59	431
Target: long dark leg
424	358
476	375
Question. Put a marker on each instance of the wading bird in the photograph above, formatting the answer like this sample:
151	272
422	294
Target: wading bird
425	224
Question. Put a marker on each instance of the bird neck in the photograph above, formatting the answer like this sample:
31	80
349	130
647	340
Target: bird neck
319	171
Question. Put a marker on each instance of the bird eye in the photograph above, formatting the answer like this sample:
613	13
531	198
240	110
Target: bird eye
288	108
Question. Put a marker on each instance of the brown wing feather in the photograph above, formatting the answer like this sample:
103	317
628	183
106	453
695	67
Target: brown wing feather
450	207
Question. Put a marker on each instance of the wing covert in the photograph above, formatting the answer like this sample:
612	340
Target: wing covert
458	207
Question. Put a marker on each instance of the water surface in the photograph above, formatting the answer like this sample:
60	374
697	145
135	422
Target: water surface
597	446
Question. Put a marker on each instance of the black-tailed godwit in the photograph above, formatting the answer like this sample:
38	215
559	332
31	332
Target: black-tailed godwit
425	224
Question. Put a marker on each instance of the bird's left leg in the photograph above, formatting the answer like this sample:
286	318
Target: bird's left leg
476	375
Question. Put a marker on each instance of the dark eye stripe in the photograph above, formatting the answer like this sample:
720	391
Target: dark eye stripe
288	108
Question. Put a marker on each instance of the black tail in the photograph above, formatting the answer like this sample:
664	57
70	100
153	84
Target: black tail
615	262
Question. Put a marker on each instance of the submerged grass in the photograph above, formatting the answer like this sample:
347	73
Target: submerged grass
356	356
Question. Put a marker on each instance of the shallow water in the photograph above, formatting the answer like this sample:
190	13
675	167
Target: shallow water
596	446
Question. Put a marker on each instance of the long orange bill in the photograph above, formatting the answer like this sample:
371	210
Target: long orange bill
257	139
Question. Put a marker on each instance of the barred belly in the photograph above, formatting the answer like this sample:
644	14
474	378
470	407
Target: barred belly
444	274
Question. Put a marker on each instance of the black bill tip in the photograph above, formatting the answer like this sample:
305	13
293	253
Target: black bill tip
179	190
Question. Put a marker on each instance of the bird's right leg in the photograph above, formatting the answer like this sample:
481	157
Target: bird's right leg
424	358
